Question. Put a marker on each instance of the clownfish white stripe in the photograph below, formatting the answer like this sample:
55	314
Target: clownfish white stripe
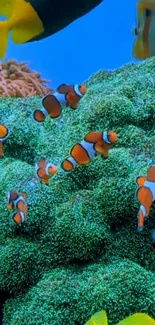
44	111
47	167
77	91
72	160
143	210
89	147
22	216
61	98
8	196
105	137
20	198
151	186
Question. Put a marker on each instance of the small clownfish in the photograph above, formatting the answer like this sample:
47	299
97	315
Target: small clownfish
144	31
19	217
45	170
17	201
65	95
94	143
145	195
100	318
4	133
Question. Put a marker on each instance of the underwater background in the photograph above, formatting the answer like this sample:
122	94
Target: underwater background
79	250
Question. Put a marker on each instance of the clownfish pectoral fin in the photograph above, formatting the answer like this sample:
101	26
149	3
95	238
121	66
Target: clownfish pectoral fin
46	181
140	180
70	97
39	116
99	148
137	319
99	318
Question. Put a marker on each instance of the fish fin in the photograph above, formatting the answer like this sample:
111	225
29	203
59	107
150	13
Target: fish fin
39	116
6	8
24	195
140	180
4	34
140	50
93	137
137	319
67	165
63	88
151	174
27	23
42	163
99	318
140	221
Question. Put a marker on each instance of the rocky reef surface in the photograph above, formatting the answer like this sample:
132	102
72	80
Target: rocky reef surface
79	251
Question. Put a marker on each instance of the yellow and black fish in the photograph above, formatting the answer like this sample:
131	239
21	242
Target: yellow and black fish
31	20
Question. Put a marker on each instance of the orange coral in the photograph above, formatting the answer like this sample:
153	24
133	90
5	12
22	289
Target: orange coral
17	80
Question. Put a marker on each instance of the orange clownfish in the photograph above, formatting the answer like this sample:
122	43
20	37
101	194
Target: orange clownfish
94	143
45	170
17	201
145	195
4	133
65	95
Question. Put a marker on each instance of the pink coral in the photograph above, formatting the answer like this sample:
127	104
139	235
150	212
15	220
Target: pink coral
17	80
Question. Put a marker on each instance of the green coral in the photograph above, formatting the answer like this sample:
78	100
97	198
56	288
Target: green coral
79	250
74	294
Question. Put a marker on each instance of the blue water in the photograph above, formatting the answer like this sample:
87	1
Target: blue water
100	40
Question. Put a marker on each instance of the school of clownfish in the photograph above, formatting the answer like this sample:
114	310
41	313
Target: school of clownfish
93	144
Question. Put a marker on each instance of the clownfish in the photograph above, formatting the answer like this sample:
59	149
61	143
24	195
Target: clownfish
4	133
65	95
145	195
144	31
45	170
31	20
94	143
100	318
17	201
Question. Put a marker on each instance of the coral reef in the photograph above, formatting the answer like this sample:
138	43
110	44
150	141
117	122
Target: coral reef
17	80
79	251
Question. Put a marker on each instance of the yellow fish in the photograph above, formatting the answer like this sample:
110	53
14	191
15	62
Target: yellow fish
31	20
100	318
143	46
